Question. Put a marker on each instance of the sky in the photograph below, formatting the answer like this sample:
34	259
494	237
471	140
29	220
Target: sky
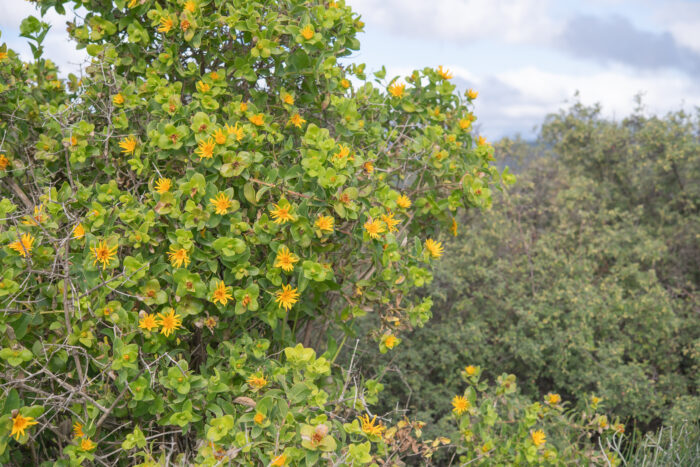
526	58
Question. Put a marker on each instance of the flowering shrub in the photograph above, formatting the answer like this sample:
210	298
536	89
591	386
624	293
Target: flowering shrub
192	227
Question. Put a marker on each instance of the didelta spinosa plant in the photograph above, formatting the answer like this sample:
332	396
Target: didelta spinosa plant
191	228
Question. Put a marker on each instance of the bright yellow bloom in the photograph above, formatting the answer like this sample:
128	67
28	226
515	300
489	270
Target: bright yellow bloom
279	461
596	400
23	246
325	223
481	141
103	253
344	151
288	98
220	136
257	119
374	228
86	444
132	3
38	218
118	99
205	149
390	341
244	106
472	94
285	259
128	145
148	322
369	167
470	370
4	162
460	405
234	130
178	257
257	382
397	89
465	123
368	426
79	231
259	418
190	6
390	222
620	428
221	294
222	203
166	24
287	297
281	214
185	25
3	56
297	120
214	75
345	83
19	424
434	248
169	322
307	32
444	73
403	201
78	430
203	87
454	227
538	437
163	185
552	398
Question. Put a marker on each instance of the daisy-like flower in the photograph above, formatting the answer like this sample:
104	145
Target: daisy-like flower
279	461
397	89
148	322
178	256
23	245
390	341
203	87
133	3
369	167
118	99
287	297
184	25
235	130
163	185
307	32
472	94
390	222
220	136
128	145
4	162
103	253
190	6
221	294
460	405
38	218
19	424
288	98
344	151
552	398
345	83
78	430
257	381
86	444
374	228
222	203
470	370
166	24
297	120
259	418
244	106
79	231
169	322
403	202
465	123
205	149
257	119
3	56
74	141
281	214
368	426
444	73
434	248
454	227
325	223
481	141
538	437
285	259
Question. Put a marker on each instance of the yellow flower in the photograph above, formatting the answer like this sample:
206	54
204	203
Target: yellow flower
296	120
403	202
465	123
307	32
287	297
552	398
118	99
454	227
166	24
460	405
285	259
148	322
288	98
4	162
325	223
257	382
481	141
281	214
538	437
169	322
78	430
214	75
132	3
205	149
369	167
38	218
390	222
19	424
221	294
444	73
23	245
345	83
128	145
73	141
344	151
178	257
244	106
190	6
79	231
184	25
163	185
103	253
596	400
368	426
3	56
472	94
259	418
86	444
397	89
470	370
620	428
220	136
222	203
234	130
279	461
203	87
374	228
390	341
434	248
257	119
